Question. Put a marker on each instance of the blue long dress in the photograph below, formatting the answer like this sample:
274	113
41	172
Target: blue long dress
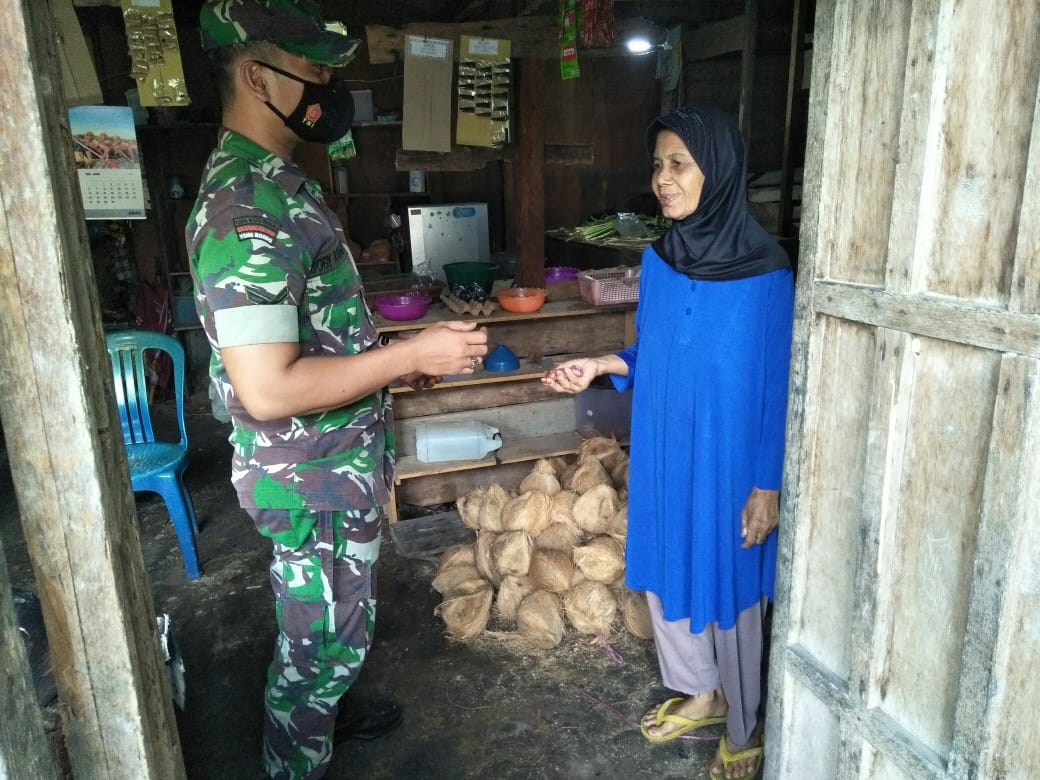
709	373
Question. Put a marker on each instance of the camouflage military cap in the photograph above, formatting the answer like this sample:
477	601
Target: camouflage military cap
294	25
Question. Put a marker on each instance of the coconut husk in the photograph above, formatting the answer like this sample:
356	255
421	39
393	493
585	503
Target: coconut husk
598	447
577	577
542	478
561	508
614	460
457	555
559	536
457	579
566	475
512	553
619	475
540	619
484	557
588	475
635	614
551	570
527	512
490	517
618	526
511	592
466	614
590	608
594	509
559	464
601	560
469	508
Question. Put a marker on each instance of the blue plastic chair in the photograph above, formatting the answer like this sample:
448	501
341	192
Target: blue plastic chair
155	466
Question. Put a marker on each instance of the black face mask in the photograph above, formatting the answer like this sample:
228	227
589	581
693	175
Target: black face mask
324	112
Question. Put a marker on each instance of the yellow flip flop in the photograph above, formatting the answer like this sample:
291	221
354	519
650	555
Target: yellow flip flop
685	725
729	757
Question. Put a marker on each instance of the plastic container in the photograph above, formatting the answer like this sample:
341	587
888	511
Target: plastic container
468	274
501	358
521	300
184	313
601	409
462	440
611	285
560	273
402	307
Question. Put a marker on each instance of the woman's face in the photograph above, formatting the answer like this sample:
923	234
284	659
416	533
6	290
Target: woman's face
677	179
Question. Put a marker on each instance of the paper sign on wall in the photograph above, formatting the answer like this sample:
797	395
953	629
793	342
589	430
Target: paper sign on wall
426	122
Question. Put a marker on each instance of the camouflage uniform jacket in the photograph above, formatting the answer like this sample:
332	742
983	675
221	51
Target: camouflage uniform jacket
270	264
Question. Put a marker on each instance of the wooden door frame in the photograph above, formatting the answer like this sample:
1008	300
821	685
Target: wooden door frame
64	441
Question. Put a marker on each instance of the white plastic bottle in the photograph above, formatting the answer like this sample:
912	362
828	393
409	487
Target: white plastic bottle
462	440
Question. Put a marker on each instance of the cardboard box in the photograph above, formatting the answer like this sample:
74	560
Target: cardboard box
484	85
426	122
364	108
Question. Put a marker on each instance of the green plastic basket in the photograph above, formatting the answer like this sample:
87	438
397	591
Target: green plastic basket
469	274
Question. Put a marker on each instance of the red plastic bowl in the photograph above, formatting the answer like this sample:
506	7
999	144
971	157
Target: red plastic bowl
402	307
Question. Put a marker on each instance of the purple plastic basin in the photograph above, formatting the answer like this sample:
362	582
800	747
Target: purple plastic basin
560	273
402	307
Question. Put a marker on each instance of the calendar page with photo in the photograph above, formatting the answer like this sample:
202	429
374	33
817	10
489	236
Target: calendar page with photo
108	163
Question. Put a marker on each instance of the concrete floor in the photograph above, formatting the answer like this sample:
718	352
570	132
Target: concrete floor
478	710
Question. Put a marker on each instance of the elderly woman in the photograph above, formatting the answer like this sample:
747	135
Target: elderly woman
709	375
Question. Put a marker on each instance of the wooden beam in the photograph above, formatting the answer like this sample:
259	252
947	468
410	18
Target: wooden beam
66	453
714	40
24	751
932	316
529	175
747	73
534	37
474	158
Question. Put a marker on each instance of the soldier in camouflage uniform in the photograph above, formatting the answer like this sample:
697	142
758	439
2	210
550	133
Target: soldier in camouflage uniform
297	362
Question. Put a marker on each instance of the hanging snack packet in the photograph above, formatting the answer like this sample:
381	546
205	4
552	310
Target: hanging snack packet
569	40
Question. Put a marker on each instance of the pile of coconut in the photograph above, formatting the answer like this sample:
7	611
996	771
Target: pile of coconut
548	555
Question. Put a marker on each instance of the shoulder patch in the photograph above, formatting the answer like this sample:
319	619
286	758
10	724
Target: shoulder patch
256	228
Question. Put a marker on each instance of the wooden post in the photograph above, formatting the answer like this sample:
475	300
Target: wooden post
530	175
67	459
24	752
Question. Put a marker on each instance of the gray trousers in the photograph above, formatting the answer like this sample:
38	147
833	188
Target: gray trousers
713	659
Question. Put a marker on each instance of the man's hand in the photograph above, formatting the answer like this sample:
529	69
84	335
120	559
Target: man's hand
419	381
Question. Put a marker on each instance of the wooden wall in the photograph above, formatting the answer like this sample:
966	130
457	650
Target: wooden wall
907	622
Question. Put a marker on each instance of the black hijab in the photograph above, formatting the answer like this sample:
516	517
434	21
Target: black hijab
720	240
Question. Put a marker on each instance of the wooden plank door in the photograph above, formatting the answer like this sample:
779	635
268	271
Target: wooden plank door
907	622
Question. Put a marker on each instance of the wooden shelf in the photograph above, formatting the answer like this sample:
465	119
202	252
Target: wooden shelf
386	195
517	451
532	370
551	310
533	421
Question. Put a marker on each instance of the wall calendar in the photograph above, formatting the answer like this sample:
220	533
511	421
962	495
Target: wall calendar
108	162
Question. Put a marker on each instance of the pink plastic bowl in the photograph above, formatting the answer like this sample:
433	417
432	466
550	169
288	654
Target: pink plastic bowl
402	307
561	273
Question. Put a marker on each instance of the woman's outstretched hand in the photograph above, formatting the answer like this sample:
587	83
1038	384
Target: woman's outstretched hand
572	376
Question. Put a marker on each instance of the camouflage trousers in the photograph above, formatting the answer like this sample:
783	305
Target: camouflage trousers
325	603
